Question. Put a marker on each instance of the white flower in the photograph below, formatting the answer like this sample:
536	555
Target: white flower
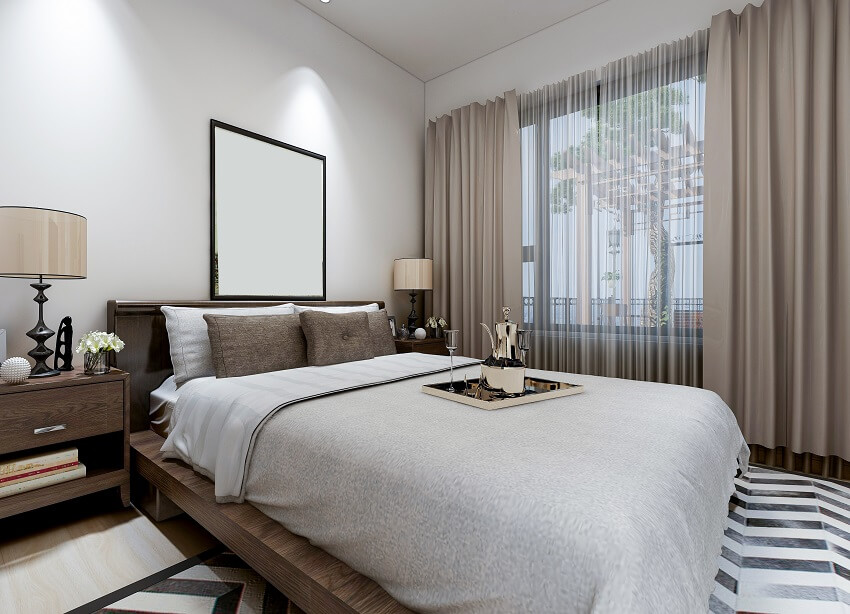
435	321
96	341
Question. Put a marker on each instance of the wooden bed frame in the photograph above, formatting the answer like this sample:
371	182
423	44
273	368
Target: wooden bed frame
313	579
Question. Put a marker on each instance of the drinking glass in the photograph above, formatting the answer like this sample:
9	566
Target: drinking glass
452	338
524	343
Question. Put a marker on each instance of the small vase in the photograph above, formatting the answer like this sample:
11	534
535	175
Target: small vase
438	332
96	363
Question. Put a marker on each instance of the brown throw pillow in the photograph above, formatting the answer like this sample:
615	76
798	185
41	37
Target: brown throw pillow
333	338
379	329
245	345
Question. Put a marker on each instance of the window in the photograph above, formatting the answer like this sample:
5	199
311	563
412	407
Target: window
613	200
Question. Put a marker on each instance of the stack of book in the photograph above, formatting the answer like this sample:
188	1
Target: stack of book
23	474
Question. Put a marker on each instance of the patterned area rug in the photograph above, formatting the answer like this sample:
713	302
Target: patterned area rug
221	584
787	548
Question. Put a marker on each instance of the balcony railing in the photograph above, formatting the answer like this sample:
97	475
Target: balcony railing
687	313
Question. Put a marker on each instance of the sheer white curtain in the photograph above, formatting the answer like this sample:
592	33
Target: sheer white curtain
613	217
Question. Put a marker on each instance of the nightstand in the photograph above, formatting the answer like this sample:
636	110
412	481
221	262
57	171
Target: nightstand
429	345
91	413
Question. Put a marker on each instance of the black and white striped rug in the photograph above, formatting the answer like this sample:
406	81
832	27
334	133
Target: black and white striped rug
786	548
221	584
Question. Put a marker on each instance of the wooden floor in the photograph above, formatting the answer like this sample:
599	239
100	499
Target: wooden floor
63	556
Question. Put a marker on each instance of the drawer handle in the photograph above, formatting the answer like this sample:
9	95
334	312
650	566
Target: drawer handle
49	429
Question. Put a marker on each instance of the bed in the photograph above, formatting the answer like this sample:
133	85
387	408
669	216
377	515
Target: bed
613	500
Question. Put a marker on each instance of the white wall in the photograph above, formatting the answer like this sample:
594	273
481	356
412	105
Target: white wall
105	109
606	32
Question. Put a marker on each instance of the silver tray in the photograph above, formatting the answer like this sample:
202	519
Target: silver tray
536	389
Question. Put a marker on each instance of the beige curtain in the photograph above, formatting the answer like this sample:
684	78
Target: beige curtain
473	216
777	275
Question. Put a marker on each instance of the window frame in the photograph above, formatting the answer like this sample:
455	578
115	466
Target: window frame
673	72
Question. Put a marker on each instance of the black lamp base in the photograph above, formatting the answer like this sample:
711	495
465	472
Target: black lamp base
48	373
40	333
412	317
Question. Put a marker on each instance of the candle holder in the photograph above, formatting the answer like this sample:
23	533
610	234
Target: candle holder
452	339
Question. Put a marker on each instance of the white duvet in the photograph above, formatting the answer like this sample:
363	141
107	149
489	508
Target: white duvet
609	501
223	416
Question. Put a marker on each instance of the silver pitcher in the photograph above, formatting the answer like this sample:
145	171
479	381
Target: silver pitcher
504	370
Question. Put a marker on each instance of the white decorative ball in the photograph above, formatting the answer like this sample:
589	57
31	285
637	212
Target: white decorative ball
420	333
15	370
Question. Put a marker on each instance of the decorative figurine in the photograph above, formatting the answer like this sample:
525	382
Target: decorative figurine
15	370
63	345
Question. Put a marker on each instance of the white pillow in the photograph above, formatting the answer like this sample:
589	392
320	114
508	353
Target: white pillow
191	355
369	307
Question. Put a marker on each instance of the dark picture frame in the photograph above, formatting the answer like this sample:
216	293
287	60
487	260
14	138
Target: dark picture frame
261	293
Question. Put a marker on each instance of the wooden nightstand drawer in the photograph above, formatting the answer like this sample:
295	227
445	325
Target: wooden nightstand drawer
429	345
42	417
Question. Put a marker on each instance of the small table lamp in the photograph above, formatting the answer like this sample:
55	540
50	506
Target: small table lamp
42	243
412	275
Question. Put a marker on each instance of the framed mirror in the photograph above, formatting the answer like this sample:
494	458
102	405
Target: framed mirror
267	201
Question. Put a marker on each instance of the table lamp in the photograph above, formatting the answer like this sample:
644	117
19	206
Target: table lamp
42	244
412	275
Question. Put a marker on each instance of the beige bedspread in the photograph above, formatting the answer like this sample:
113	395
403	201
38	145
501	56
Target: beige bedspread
613	500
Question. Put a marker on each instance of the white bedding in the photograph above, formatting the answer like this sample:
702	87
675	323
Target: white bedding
163	402
610	501
223	416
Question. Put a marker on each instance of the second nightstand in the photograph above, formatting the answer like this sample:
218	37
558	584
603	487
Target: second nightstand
429	345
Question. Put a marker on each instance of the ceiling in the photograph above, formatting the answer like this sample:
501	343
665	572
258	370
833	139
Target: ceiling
429	38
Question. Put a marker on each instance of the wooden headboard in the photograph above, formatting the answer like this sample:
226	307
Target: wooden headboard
141	325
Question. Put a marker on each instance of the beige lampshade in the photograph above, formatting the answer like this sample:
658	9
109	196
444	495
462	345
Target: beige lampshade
413	274
42	243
